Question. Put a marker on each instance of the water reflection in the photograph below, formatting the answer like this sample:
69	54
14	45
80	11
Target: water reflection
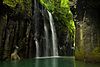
14	64
49	62
42	62
9	64
46	62
36	63
86	64
54	62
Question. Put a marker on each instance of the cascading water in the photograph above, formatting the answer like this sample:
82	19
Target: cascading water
46	39
54	36
49	41
37	48
36	29
45	45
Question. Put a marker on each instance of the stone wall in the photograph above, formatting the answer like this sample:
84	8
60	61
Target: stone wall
88	30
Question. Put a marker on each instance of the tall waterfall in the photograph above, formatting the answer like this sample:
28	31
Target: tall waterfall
46	43
54	36
36	20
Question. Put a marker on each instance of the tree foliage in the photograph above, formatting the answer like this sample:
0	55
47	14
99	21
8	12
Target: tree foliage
62	13
12	3
22	6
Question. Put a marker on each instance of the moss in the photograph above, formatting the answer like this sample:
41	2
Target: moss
79	54
49	5
93	56
11	3
20	6
62	14
65	3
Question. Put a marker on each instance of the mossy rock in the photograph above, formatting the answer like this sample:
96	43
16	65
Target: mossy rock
20	6
93	56
79	54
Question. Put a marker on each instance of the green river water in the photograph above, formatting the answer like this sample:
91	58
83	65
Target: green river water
48	62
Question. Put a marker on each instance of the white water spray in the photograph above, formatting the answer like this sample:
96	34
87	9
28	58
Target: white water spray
54	36
47	39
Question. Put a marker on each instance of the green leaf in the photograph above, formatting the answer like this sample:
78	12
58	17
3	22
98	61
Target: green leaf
11	3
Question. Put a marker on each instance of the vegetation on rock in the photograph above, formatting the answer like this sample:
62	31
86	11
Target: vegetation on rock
62	14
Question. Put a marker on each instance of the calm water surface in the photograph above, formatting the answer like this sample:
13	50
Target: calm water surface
47	62
41	62
83	64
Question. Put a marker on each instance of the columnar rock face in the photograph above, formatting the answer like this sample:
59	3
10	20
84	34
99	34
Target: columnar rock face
17	24
88	30
22	24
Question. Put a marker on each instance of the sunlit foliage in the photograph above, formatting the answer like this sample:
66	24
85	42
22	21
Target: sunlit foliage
61	11
22	6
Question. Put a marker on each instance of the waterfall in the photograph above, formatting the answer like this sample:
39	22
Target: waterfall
54	36
36	20
46	39
45	45
37	48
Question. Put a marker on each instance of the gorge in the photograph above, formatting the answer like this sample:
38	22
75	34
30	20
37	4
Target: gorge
50	30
